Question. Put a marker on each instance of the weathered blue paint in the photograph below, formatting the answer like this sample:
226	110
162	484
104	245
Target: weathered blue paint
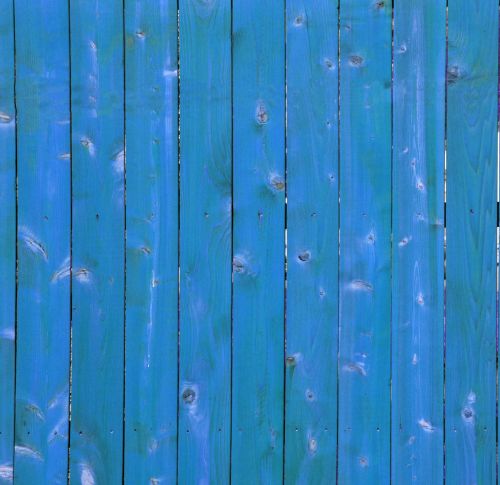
365	242
258	241
312	215
418	252
44	204
98	241
7	239
205	241
471	235
152	224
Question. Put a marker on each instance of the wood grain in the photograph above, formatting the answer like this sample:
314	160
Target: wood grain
205	241
365	242
471	242
152	249
98	241
44	205
312	233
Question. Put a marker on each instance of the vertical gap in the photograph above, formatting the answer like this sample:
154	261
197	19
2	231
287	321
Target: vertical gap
392	241
232	254
70	387
124	234
178	237
285	242
338	241
17	240
497	254
444	236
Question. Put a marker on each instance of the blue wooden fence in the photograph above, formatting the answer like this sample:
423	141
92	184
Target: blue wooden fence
248	242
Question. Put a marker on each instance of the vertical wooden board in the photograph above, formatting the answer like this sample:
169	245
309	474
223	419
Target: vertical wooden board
205	241
418	252
7	239
152	223
472	87
365	242
98	241
312	215
43	147
258	241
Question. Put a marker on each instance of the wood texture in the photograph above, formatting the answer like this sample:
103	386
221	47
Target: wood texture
205	241
258	241
365	242
98	241
7	240
471	242
152	249
418	252
312	222
44	204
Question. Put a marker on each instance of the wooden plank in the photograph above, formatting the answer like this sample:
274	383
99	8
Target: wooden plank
418	252
365	242
43	147
205	241
152	251
312	215
471	242
258	241
98	241
7	240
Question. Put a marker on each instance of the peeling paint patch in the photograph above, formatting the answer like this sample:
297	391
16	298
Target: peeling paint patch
87	476
33	243
426	426
6	472
28	452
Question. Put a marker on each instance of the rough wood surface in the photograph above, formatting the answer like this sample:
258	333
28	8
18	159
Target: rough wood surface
152	249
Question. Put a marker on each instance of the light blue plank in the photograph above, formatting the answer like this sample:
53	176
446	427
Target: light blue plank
312	215
258	241
418	252
471	242
205	241
7	239
43	144
365	242
98	241
152	288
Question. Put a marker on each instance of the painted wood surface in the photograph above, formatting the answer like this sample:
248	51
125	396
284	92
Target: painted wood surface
7	240
205	241
312	222
365	242
152	249
258	241
97	85
241	240
472	80
44	205
418	240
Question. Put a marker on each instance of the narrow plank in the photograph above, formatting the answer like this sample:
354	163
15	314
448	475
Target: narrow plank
205	241
258	241
471	242
152	252
98	241
7	239
43	147
365	242
418	252
312	216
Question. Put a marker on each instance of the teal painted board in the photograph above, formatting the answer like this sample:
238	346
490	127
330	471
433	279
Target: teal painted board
7	239
205	241
98	241
258	241
152	250
472	80
44	206
365	242
312	232
418	252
